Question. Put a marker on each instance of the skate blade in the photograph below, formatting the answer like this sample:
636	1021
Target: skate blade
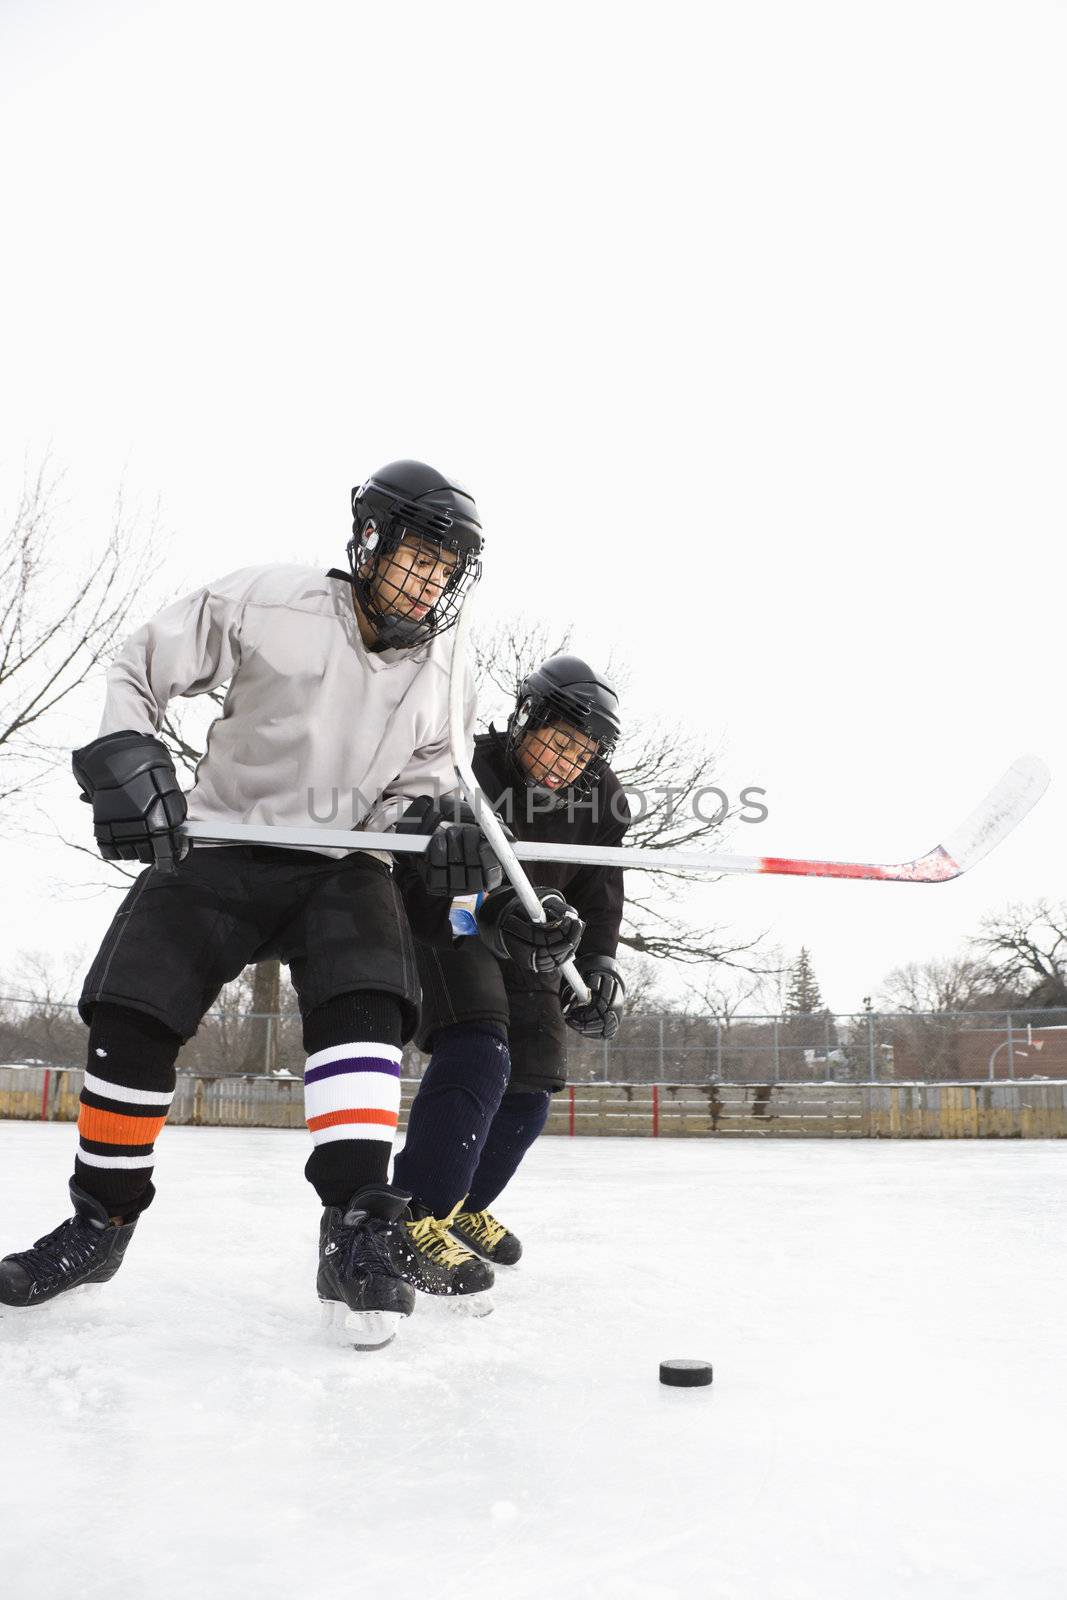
458	1305
42	1308
361	1330
484	1255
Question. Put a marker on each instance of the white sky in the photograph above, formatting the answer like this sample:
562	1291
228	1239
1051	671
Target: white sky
745	324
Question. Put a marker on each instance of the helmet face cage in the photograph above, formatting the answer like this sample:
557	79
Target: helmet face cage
385	527
531	725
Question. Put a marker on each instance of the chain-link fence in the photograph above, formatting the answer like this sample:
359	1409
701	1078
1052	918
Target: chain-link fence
863	1047
857	1047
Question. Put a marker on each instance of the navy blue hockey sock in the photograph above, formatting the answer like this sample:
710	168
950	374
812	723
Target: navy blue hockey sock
516	1125
451	1114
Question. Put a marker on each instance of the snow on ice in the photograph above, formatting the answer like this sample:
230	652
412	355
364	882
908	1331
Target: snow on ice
887	1417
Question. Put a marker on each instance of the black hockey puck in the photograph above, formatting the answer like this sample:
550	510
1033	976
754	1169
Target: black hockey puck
685	1374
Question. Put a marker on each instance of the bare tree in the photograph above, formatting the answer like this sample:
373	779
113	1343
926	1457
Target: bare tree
56	622
38	1023
644	995
1026	945
502	655
261	1053
951	983
925	1000
724	994
668	775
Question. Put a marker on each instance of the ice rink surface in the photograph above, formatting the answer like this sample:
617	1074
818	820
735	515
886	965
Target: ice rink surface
888	1417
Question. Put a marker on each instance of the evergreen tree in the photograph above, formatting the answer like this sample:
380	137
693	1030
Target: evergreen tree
808	1031
803	998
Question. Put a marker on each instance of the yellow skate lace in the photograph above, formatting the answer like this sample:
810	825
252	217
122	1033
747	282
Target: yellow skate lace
431	1236
483	1226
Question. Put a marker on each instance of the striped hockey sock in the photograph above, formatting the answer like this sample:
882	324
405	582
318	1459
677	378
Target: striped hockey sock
127	1093
351	1093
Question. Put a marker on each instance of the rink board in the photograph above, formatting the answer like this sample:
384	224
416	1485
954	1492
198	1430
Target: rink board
1021	1109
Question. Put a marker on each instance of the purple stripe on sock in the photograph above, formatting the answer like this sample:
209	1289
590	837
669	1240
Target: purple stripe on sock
333	1069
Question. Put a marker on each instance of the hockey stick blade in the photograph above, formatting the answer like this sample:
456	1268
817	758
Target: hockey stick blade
1003	808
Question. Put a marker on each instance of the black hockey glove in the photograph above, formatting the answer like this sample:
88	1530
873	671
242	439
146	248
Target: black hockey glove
458	859
128	779
600	1018
506	927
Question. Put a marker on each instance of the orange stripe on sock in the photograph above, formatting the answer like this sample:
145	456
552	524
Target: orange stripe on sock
334	1119
111	1127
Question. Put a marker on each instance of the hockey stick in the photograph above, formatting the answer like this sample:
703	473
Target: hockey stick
488	820
1003	808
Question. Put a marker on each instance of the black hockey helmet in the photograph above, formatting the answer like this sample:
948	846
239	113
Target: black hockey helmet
564	689
408	499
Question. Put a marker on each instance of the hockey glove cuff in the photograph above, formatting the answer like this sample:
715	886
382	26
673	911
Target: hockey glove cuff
457	860
506	927
600	1018
129	780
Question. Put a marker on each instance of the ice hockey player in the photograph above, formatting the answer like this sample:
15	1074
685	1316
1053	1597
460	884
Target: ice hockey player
337	686
494	1013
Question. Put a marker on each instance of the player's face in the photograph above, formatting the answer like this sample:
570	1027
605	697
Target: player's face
555	755
411	580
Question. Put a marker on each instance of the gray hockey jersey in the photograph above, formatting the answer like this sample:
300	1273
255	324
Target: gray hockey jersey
316	729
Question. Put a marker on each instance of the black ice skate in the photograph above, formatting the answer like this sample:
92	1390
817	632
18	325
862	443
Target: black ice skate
445	1268
488	1238
87	1248
363	1262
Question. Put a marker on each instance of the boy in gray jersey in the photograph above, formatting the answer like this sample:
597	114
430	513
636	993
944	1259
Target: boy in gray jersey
337	696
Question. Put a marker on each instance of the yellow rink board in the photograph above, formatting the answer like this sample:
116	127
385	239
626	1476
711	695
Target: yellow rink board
1005	1110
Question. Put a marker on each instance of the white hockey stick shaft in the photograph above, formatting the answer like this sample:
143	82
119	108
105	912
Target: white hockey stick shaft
1003	808
488	820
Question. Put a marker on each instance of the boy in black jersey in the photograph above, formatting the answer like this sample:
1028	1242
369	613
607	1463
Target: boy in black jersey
495	1012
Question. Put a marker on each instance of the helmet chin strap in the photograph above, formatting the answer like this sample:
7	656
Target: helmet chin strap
399	633
552	799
